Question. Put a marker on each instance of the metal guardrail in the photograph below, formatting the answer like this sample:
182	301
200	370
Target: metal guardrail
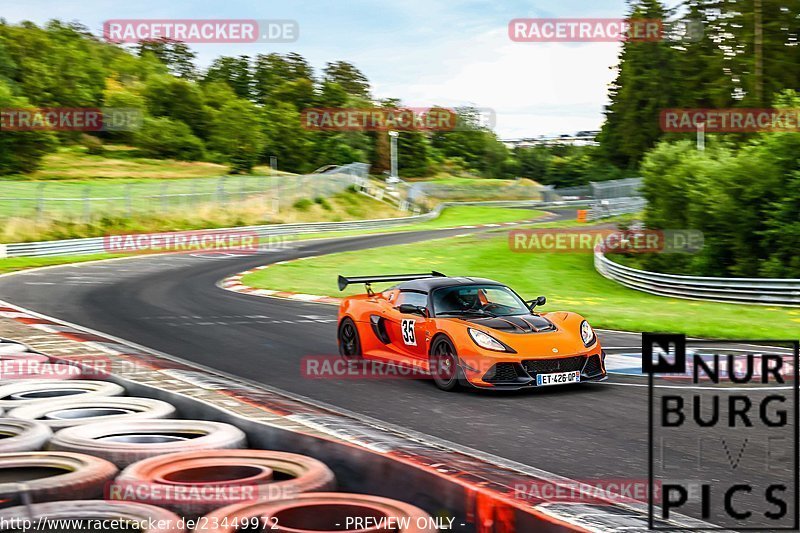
767	291
96	245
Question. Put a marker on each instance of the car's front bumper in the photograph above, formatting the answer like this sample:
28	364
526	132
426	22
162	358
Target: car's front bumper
521	374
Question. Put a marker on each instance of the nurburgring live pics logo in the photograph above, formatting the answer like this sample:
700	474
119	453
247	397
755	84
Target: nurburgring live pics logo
719	446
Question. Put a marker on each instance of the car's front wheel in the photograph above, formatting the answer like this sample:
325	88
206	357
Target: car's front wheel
349	342
444	364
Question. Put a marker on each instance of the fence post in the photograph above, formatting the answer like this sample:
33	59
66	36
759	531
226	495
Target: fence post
192	199
128	201
264	190
221	191
87	206
164	199
40	202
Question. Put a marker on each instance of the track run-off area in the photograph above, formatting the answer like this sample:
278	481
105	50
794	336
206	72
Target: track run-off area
172	303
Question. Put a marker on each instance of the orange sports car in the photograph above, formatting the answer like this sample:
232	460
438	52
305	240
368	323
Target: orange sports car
467	331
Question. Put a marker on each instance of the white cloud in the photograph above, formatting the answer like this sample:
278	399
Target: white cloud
535	88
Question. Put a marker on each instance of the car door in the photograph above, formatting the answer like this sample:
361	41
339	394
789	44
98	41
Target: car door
408	332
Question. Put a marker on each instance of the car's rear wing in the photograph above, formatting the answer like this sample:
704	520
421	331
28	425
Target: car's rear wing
344	282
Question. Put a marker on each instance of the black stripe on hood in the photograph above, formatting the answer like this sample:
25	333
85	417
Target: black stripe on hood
528	323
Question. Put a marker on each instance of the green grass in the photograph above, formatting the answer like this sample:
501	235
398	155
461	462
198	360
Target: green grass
119	162
568	280
21	263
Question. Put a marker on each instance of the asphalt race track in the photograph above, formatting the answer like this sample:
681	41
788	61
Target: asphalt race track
171	303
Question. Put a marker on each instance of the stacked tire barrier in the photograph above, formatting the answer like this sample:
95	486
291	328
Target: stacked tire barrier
81	450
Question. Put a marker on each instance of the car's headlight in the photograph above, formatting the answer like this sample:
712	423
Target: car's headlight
587	334
484	340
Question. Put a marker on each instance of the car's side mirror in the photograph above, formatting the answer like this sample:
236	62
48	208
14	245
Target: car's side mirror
541	300
409	309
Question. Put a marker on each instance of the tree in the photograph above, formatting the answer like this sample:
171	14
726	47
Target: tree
352	80
235	71
177	99
286	138
21	151
643	88
273	71
175	55
236	133
167	138
122	97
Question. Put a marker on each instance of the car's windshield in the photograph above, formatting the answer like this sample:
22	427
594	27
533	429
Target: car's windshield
477	299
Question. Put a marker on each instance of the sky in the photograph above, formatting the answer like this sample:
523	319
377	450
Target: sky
424	52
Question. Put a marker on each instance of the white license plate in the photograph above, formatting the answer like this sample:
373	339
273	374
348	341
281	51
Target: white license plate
559	378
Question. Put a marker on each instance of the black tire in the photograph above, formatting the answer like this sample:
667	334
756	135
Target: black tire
349	341
444	364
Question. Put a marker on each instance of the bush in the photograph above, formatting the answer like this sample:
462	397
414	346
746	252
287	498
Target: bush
302	204
93	145
167	138
322	202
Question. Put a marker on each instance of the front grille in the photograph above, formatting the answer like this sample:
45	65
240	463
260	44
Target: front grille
547	366
501	372
592	366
